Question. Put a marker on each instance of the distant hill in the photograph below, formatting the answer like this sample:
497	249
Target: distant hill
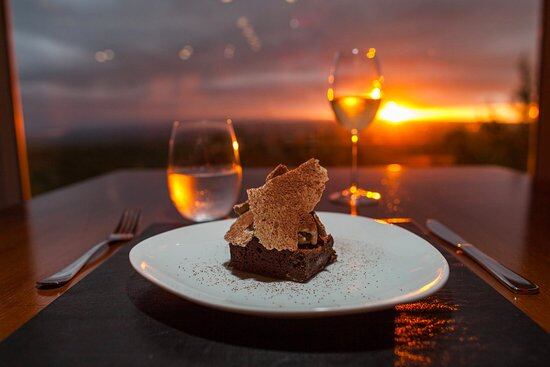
73	155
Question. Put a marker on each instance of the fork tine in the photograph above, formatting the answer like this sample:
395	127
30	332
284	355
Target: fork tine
121	222
129	221
136	222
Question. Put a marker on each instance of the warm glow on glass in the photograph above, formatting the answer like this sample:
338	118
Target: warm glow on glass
394	167
213	191
330	94
357	192
354	138
234	142
374	195
533	111
371	53
375	93
355	112
180	190
350	101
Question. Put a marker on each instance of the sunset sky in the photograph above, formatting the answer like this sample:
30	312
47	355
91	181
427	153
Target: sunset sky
89	63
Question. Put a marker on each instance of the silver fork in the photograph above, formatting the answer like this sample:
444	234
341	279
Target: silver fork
124	231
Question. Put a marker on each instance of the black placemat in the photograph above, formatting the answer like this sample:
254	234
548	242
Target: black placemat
115	317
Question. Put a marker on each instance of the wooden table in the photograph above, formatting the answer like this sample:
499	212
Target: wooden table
492	207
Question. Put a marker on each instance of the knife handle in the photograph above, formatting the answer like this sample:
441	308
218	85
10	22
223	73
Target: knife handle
515	282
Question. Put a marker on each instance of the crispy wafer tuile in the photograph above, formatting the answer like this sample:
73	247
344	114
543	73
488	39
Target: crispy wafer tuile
242	208
279	170
281	204
241	231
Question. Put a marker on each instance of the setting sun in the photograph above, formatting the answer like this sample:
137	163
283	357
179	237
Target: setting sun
396	113
393	113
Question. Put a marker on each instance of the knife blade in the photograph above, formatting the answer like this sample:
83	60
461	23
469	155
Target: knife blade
442	231
513	281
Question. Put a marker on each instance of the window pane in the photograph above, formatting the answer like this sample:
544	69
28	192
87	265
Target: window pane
103	80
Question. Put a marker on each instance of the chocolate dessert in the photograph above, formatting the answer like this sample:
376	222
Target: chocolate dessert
277	233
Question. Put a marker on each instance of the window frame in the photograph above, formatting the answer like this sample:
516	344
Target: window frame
14	177
15	182
542	140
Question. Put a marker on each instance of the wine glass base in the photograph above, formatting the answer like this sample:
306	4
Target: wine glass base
355	196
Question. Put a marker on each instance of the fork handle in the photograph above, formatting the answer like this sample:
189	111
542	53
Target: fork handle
67	273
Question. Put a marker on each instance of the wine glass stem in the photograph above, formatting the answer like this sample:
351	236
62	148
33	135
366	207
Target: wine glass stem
354	141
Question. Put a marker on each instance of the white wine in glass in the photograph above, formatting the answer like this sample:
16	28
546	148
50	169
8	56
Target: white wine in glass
355	93
355	112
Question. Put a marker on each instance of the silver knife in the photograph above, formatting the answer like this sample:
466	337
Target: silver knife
515	282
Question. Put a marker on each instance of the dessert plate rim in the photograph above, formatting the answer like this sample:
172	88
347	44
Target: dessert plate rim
136	257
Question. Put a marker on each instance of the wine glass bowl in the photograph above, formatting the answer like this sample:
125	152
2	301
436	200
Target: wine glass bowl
355	93
204	173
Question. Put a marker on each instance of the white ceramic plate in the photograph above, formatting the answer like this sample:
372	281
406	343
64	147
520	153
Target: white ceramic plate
379	266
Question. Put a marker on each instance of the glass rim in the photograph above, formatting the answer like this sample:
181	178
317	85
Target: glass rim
358	51
227	124
338	54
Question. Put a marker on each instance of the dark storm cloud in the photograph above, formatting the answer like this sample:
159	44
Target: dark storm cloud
433	52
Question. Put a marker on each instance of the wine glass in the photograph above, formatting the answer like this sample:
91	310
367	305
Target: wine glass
355	92
204	172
